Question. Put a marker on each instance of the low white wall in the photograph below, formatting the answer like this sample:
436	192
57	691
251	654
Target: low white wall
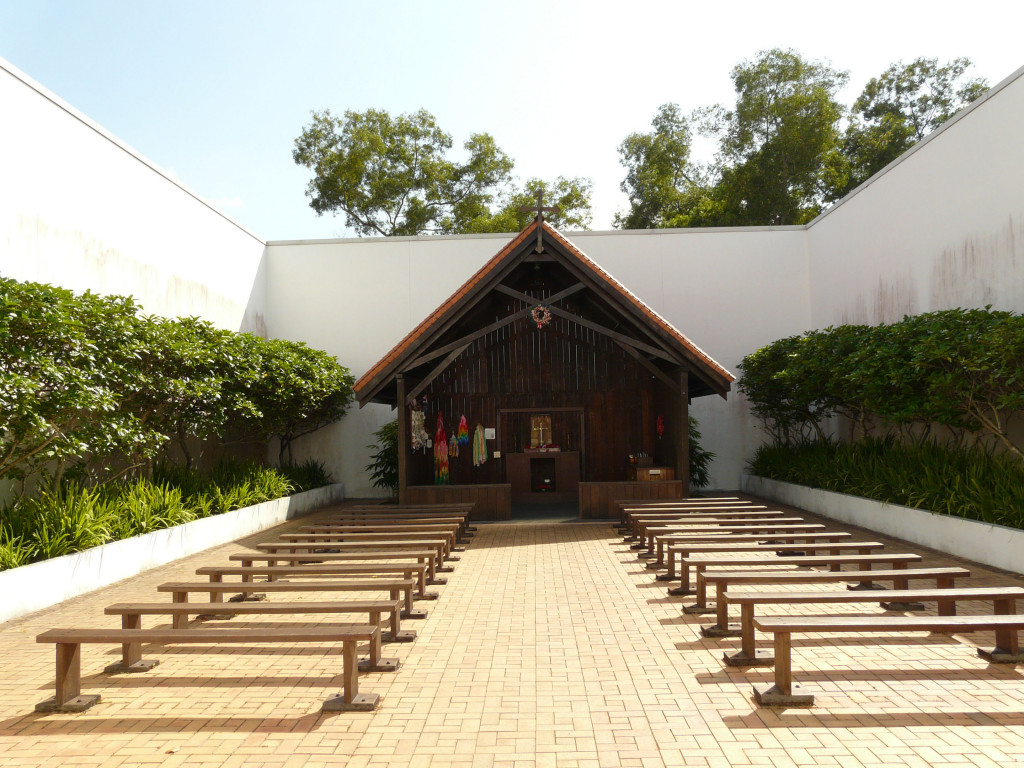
993	545
40	585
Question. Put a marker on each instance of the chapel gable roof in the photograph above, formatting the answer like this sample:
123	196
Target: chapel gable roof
705	374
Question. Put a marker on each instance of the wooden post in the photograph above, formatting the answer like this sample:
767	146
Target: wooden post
683	433
69	672
350	670
403	440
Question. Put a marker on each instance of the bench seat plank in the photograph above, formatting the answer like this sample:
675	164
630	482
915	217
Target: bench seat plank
784	693
68	695
944	578
1003	599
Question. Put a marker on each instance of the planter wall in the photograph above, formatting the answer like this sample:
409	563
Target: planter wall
993	545
40	585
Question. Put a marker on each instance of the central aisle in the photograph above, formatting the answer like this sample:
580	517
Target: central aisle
545	645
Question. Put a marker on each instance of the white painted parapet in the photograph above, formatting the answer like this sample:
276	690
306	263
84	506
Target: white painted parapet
40	585
993	545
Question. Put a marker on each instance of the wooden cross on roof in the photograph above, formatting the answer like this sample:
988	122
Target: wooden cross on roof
540	208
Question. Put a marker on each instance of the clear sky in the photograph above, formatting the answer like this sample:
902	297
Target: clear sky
215	91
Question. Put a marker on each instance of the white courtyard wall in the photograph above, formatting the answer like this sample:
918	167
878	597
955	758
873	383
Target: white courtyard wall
80	209
941	227
729	291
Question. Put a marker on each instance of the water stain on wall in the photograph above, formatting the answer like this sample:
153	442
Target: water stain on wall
982	270
894	298
70	258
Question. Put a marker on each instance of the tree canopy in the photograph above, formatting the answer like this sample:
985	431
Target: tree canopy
898	109
783	153
395	175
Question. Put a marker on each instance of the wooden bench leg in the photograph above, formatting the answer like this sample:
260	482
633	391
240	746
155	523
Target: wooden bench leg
350	700
68	687
784	693
721	626
216	597
375	663
131	653
701	606
670	565
408	612
1007	650
748	655
180	620
684	575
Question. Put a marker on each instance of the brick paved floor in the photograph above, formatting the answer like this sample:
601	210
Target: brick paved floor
549	646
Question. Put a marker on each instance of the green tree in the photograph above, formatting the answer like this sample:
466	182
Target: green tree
660	179
572	196
778	142
61	356
777	150
898	109
394	175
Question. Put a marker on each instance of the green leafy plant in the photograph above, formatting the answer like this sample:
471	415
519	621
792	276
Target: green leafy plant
700	459
383	468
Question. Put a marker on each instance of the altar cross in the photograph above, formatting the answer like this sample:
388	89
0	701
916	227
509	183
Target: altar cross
539	208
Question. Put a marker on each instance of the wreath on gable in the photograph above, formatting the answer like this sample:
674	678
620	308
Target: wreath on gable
541	315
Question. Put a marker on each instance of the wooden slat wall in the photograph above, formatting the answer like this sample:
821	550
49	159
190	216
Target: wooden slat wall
565	365
493	501
598	500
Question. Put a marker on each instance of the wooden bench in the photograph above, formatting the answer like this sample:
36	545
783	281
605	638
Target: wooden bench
668	539
425	556
785	693
465	509
794	550
450	531
636	519
427	518
131	615
68	687
766	541
764	521
639	504
639	525
339	547
394	587
415	571
1003	599
700	563
945	578
393	539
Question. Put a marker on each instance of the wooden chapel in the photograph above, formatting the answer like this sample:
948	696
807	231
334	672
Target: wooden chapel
571	386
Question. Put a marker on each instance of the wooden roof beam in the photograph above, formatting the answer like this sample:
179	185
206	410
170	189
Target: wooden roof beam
621	337
663	377
553	298
435	373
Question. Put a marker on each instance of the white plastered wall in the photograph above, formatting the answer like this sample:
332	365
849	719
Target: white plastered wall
729	291
80	209
942	227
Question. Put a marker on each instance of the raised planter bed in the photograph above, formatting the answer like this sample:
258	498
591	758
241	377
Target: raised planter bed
39	585
993	545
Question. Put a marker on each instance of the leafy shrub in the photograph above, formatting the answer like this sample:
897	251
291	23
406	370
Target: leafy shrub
90	381
700	460
959	368
306	476
384	467
76	518
953	480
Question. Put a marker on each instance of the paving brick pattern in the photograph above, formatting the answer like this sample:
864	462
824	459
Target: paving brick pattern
551	645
